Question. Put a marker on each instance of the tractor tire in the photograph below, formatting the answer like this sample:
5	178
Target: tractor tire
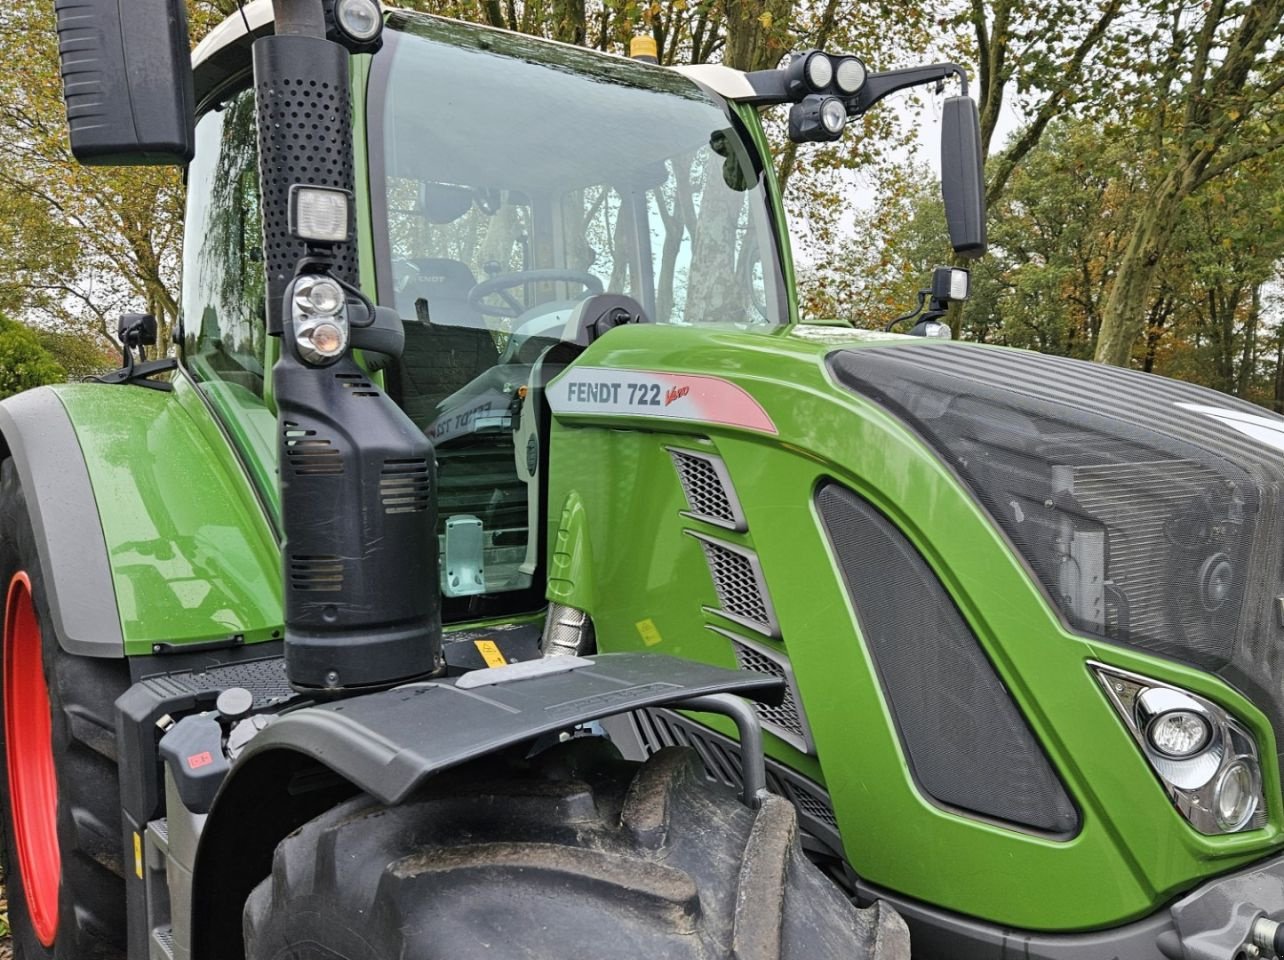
578	856
60	801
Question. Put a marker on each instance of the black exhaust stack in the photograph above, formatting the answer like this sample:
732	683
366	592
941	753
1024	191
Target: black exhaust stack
358	504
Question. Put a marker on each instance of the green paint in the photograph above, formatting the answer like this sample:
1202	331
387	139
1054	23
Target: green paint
192	555
1133	853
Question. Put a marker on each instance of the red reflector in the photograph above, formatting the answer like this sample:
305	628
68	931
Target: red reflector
198	760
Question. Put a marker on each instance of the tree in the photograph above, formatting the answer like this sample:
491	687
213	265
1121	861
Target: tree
24	363
1206	96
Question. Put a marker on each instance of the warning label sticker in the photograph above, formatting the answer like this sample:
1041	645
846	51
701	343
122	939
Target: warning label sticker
600	391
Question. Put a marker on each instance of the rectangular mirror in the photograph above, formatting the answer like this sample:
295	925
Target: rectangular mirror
127	80
963	176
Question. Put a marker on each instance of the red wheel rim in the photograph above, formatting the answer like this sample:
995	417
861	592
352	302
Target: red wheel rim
33	790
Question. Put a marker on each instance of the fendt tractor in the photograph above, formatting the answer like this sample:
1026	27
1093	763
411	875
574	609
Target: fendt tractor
504	567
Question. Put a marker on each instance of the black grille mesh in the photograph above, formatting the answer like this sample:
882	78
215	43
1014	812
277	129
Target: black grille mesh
739	585
966	742
706	492
1147	508
785	720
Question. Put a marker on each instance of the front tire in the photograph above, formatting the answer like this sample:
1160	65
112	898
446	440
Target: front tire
583	856
60	803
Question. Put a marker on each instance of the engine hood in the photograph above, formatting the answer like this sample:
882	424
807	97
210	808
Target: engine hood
1148	509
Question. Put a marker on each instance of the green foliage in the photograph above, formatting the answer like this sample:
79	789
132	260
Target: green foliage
24	363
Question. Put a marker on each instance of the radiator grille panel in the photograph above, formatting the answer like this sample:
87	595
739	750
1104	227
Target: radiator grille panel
708	489
965	740
738	581
787	721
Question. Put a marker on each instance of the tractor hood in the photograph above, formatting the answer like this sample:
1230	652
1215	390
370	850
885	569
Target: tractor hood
1148	509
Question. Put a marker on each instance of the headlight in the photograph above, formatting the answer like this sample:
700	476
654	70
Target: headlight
1235	797
833	115
1205	758
320	320
318	296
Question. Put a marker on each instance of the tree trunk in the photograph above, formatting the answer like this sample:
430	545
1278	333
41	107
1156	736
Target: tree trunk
1123	319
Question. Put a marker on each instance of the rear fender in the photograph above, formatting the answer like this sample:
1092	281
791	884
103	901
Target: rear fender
149	532
38	435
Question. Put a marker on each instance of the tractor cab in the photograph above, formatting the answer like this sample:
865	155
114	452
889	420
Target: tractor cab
544	178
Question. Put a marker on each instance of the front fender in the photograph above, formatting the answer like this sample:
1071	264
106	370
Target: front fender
388	744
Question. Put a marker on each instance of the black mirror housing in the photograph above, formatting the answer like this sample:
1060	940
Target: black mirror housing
127	81
963	176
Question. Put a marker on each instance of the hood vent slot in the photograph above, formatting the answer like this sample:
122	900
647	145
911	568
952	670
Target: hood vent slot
708	489
310	455
786	721
741	588
405	486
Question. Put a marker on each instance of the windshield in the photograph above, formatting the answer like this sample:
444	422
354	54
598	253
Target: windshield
510	179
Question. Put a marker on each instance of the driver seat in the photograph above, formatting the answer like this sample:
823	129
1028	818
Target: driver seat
447	341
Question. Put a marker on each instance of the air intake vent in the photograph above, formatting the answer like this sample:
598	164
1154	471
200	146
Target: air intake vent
310	455
656	729
317	574
356	385
405	486
966	742
708	489
738	580
786	721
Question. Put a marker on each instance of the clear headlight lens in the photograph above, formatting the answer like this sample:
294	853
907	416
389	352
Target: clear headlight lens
318	296
359	19
1179	733
833	115
1235	797
820	70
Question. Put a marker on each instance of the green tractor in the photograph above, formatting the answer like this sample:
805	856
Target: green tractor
505	568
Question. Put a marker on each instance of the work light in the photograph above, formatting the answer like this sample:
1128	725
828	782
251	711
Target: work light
320	214
817	118
360	20
849	74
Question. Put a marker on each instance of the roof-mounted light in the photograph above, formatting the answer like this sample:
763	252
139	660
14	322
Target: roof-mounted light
359	20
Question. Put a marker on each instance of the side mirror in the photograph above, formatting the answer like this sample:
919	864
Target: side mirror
127	80
963	176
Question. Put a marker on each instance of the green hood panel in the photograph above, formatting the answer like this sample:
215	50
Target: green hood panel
652	590
192	556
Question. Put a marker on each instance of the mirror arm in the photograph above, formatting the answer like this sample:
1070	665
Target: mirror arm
879	85
303	18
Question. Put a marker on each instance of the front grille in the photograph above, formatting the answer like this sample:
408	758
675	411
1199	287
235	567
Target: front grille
1148	509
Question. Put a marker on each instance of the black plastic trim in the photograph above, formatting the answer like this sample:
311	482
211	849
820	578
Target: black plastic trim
39	435
389	743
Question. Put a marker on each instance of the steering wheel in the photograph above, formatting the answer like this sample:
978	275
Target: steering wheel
506	281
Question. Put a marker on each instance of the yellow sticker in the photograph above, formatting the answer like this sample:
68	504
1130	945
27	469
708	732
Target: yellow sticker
138	855
490	653
648	632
